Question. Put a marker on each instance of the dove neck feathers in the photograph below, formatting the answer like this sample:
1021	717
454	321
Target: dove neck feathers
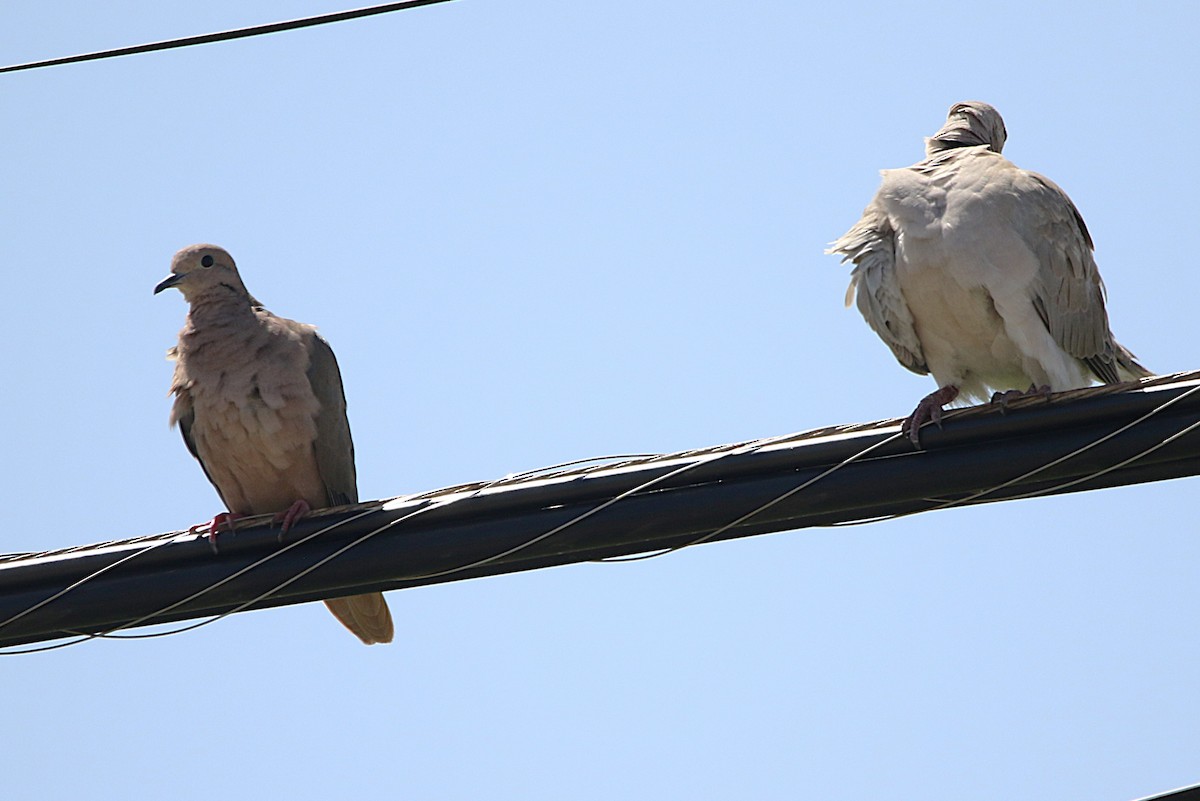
222	303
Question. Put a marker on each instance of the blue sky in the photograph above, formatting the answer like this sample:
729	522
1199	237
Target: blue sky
540	231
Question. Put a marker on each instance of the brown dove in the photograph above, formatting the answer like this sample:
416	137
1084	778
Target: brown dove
981	273
260	404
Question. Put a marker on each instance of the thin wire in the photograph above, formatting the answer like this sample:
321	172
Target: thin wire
528	474
972	498
952	503
43	648
568	524
748	447
111	633
710	535
439	505
64	591
1072	454
236	574
1182	432
224	36
80	582
374	532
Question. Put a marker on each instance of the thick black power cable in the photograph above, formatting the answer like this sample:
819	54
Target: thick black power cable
224	36
1179	390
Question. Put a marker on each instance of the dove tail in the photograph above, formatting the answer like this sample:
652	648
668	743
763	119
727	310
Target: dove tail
367	616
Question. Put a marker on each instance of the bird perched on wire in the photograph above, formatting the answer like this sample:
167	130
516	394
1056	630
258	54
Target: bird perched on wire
981	273
260	404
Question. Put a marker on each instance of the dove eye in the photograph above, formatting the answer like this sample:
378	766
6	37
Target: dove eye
207	261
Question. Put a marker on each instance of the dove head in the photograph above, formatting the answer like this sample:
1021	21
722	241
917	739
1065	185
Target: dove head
969	124
204	270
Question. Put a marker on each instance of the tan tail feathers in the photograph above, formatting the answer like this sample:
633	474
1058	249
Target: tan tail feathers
367	616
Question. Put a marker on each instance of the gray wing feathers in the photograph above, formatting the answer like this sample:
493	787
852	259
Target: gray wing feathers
334	447
871	246
1127	365
1068	293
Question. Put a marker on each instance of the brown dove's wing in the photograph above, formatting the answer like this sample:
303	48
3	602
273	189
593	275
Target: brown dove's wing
1069	294
334	447
184	415
366	615
871	245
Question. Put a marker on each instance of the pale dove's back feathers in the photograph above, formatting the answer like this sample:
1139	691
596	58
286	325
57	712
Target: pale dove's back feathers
259	401
982	273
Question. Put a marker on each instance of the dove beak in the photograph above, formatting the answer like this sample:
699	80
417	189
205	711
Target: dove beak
171	280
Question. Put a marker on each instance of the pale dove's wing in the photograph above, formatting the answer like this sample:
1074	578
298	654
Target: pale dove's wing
1068	293
871	246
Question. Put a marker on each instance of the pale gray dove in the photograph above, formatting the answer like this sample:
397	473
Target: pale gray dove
981	273
259	401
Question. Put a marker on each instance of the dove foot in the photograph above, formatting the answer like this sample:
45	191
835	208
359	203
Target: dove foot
214	527
293	514
1006	397
929	410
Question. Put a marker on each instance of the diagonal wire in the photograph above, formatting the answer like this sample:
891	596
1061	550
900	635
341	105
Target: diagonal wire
113	632
969	499
437	504
778	499
225	36
81	581
973	497
744	448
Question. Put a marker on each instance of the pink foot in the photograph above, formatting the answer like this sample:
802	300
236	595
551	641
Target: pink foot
929	410
293	514
214	526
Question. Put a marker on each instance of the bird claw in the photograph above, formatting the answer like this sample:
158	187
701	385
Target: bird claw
1006	397
929	410
291	516
288	518
214	527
